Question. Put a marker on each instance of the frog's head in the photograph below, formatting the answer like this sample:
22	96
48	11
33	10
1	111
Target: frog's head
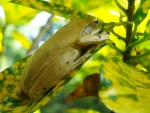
94	26
92	35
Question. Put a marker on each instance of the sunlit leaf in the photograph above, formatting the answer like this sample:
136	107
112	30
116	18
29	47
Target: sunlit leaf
91	7
124	88
57	9
22	39
144	60
17	15
79	5
142	11
9	102
10	77
146	35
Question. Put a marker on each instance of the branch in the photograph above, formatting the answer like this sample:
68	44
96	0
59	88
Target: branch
129	13
40	36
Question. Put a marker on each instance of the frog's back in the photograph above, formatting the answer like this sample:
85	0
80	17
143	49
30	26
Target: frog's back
64	37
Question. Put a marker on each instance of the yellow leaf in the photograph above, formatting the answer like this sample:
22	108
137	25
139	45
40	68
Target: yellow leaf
22	39
124	88
17	14
57	9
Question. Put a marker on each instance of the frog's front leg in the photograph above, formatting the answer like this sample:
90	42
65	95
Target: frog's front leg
88	39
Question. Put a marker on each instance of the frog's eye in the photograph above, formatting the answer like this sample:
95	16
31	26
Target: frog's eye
96	24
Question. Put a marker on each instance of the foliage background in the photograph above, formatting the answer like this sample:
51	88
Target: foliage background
20	26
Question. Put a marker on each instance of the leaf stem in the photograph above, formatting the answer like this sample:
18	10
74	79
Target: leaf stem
119	50
118	36
136	42
139	56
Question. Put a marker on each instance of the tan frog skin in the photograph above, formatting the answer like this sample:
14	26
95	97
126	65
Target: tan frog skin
59	56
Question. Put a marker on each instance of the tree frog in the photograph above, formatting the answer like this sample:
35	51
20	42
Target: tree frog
59	56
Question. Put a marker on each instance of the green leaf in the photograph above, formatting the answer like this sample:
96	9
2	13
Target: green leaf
147	31
142	11
124	88
144	60
146	35
52	8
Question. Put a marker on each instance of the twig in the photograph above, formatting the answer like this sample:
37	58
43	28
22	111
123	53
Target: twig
40	36
118	36
129	13
139	56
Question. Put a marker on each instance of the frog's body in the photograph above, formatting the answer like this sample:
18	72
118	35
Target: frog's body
59	56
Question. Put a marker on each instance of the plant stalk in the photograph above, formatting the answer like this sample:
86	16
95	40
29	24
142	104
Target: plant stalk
129	13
